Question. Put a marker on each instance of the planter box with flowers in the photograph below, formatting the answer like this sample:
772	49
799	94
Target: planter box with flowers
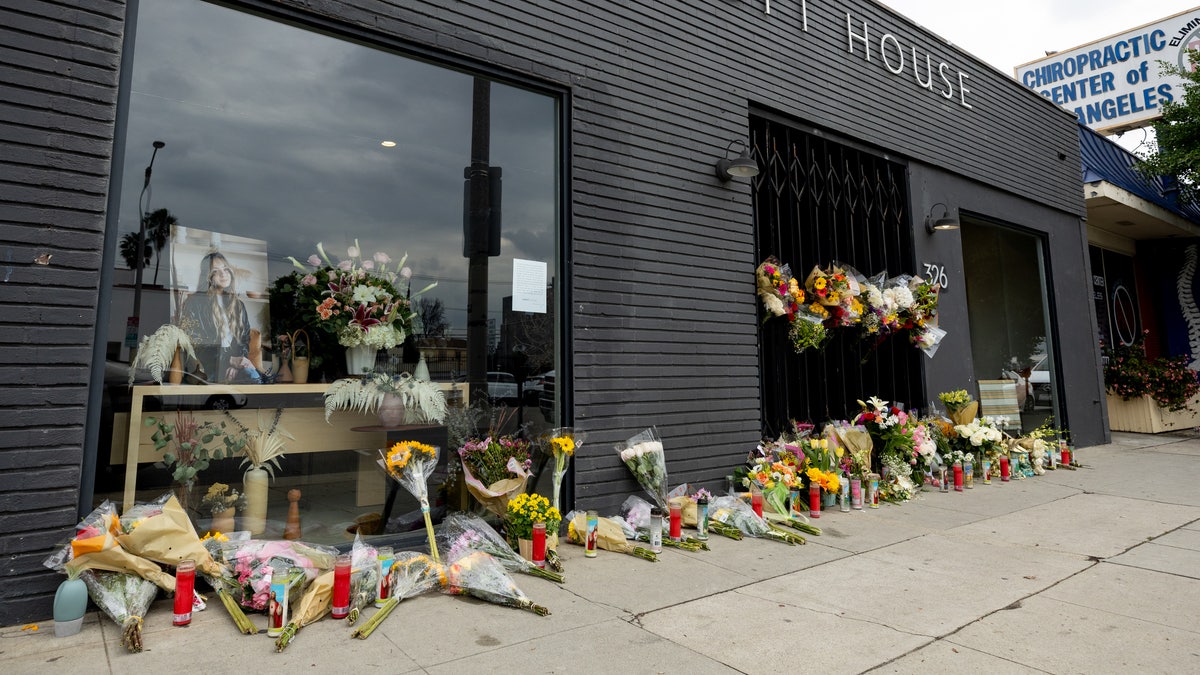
1150	396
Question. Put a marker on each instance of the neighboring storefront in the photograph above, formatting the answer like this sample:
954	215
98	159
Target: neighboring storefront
551	168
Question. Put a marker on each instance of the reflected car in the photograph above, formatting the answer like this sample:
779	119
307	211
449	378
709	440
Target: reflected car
1034	391
502	387
535	385
116	374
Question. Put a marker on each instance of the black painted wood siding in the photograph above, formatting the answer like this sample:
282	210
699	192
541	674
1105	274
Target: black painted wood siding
662	303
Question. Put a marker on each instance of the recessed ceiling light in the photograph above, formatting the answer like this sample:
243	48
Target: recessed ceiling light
388	144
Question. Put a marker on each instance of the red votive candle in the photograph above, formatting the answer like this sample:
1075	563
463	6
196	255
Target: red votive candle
958	477
539	544
814	500
1066	455
756	502
1003	468
185	585
340	605
676	522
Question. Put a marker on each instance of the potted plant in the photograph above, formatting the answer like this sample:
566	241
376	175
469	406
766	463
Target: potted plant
1148	395
163	350
195	447
396	399
222	502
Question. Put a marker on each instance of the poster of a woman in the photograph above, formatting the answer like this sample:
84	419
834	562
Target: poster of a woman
213	308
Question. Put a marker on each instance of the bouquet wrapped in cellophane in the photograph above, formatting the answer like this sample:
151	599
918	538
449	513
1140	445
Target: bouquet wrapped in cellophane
162	532
411	575
223	584
314	604
610	535
95	546
732	512
562	442
364	578
635	512
411	463
643	454
462	533
481	576
254	562
125	598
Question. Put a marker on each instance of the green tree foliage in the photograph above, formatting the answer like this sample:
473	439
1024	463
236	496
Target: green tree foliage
1177	151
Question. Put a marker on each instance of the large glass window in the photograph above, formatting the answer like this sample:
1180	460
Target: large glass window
249	142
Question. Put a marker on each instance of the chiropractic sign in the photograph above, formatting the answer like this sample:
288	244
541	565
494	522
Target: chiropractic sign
1116	83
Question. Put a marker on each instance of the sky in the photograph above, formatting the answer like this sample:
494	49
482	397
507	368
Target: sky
1014	32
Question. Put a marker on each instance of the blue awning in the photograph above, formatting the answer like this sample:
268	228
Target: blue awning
1107	161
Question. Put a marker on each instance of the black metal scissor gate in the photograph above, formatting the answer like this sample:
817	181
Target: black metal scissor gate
817	201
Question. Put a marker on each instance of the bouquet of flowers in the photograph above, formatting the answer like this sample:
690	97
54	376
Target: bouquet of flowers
481	576
364	577
856	441
462	533
124	598
981	434
886	304
411	575
925	448
959	405
779	291
411	463
563	442
357	300
734	513
775	470
213	543
255	562
807	329
525	510
921	316
610	536
890	426
314	604
496	469
163	533
837	288
95	547
643	454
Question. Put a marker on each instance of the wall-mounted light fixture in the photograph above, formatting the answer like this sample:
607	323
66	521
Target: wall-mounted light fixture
742	166
945	222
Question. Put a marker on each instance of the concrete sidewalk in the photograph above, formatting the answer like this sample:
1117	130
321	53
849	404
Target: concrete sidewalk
1095	571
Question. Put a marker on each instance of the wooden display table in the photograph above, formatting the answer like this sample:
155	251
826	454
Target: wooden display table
307	424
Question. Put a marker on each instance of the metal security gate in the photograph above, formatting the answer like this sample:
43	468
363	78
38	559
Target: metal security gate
817	201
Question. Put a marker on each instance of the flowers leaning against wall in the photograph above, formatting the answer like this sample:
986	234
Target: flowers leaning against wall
357	300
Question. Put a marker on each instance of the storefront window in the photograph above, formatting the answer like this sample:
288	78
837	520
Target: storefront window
249	143
1011	341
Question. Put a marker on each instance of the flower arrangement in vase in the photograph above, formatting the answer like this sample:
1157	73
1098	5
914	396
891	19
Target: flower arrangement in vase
222	502
263	450
162	350
357	299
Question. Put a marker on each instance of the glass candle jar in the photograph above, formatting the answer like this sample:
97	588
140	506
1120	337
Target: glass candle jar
814	500
856	495
702	519
844	494
1004	469
968	473
339	605
185	584
593	525
756	501
987	472
539	544
656	529
676	522
873	490
958	477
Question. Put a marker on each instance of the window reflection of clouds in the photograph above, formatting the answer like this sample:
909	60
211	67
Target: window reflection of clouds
274	132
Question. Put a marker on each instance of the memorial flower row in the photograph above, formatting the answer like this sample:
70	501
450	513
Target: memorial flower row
882	455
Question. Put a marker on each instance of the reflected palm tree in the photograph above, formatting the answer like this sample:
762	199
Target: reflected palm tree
158	226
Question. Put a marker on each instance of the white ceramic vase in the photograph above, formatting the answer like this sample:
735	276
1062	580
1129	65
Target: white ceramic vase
254	484
360	359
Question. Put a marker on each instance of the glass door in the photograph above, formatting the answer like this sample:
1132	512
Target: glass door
1011	319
